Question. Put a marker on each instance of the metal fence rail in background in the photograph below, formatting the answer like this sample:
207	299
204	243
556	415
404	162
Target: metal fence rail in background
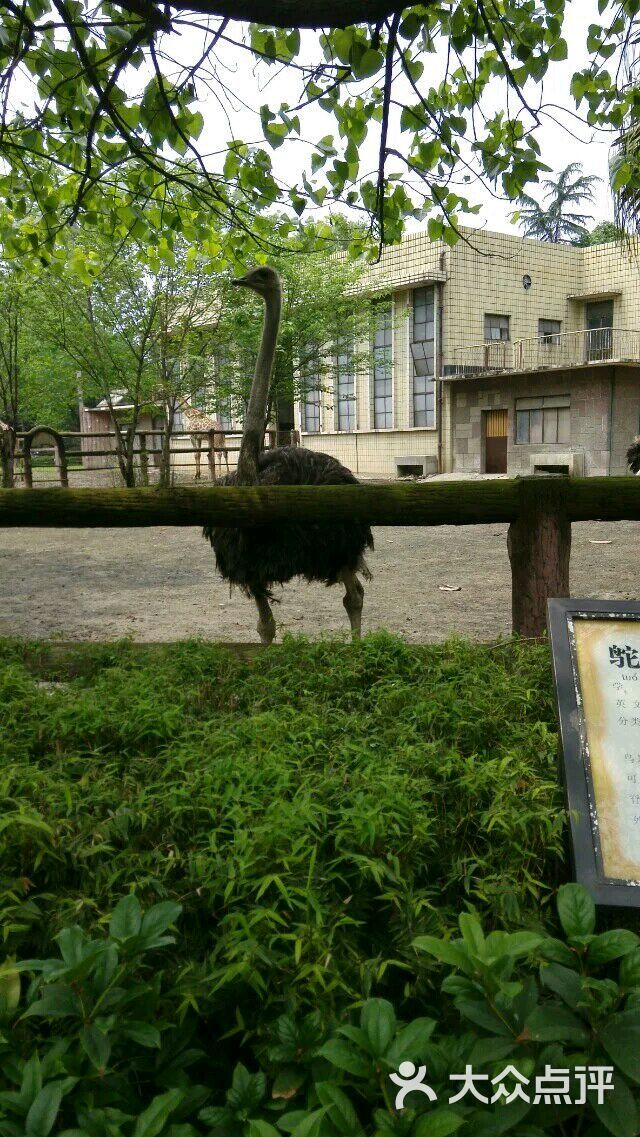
539	512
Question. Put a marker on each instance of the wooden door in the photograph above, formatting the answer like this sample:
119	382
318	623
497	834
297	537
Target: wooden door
495	441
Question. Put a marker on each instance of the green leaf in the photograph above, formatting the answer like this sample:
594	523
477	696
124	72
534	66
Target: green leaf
621	1040
126	918
142	1033
611	945
96	1046
409	1044
618	1110
563	981
437	1124
156	1115
9	988
158	919
288	1083
472	933
447	951
345	1057
42	1114
555	1024
378	1021
576	910
630	970
480	1012
310	1125
368	64
262	1129
339	1108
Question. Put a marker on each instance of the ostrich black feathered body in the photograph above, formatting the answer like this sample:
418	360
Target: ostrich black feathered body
633	456
256	558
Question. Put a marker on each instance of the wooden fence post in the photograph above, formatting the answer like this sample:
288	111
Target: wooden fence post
211	454
539	544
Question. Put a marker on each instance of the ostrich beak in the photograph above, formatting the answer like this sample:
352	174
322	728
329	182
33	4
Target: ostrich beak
241	280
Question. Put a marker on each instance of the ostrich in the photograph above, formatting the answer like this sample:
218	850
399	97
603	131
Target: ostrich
259	557
633	455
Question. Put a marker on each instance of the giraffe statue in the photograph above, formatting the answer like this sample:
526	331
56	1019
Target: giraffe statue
195	419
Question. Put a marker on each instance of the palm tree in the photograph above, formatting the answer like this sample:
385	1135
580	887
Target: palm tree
558	220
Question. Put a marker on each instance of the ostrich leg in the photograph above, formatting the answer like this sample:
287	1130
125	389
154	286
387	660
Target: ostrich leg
266	622
354	593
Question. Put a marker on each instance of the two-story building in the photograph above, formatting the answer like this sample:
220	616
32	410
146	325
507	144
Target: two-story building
499	355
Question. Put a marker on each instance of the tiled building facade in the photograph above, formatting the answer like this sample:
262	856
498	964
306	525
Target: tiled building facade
501	355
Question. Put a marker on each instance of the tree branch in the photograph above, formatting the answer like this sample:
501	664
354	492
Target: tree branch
276	13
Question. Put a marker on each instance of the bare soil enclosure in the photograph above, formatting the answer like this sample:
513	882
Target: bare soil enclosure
162	584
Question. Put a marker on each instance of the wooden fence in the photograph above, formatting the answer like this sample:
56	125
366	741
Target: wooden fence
538	510
211	444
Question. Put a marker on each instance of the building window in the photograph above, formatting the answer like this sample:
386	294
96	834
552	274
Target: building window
383	366
423	346
549	331
496	328
310	402
543	420
345	385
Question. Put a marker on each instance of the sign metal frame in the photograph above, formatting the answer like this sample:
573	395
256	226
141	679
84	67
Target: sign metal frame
574	750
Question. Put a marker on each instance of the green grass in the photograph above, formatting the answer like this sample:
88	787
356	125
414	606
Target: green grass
313	808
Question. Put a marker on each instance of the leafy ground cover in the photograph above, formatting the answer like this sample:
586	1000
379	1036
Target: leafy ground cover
314	820
312	809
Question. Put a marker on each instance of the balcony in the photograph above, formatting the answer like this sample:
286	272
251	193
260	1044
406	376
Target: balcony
566	349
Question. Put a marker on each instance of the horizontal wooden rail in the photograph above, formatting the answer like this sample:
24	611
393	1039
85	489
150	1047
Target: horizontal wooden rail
444	503
430	503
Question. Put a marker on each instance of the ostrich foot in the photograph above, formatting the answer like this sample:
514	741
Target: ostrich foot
266	622
353	600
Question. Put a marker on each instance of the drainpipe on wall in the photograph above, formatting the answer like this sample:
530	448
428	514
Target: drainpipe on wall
612	383
439	365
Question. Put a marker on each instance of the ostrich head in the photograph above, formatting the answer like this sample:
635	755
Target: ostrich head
265	281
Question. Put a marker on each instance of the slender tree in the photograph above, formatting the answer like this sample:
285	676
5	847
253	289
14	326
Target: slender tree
559	220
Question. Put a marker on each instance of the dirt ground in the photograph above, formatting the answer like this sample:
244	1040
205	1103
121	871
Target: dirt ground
162	584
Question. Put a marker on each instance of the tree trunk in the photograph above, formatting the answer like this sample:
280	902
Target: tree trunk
7	457
539	544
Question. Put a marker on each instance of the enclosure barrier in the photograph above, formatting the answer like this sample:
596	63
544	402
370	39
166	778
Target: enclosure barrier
539	511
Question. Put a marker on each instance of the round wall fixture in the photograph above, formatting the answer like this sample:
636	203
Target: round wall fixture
526	281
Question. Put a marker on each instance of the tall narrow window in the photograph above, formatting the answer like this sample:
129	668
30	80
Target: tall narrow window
496	328
345	385
383	366
310	402
224	402
423	351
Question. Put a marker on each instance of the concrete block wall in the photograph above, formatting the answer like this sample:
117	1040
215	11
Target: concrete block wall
592	392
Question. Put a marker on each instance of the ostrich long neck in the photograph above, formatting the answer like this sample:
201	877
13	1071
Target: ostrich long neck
253	433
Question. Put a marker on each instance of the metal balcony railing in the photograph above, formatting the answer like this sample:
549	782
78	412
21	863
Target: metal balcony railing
566	349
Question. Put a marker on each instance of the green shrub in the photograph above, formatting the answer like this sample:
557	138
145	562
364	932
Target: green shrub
94	1045
311	810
